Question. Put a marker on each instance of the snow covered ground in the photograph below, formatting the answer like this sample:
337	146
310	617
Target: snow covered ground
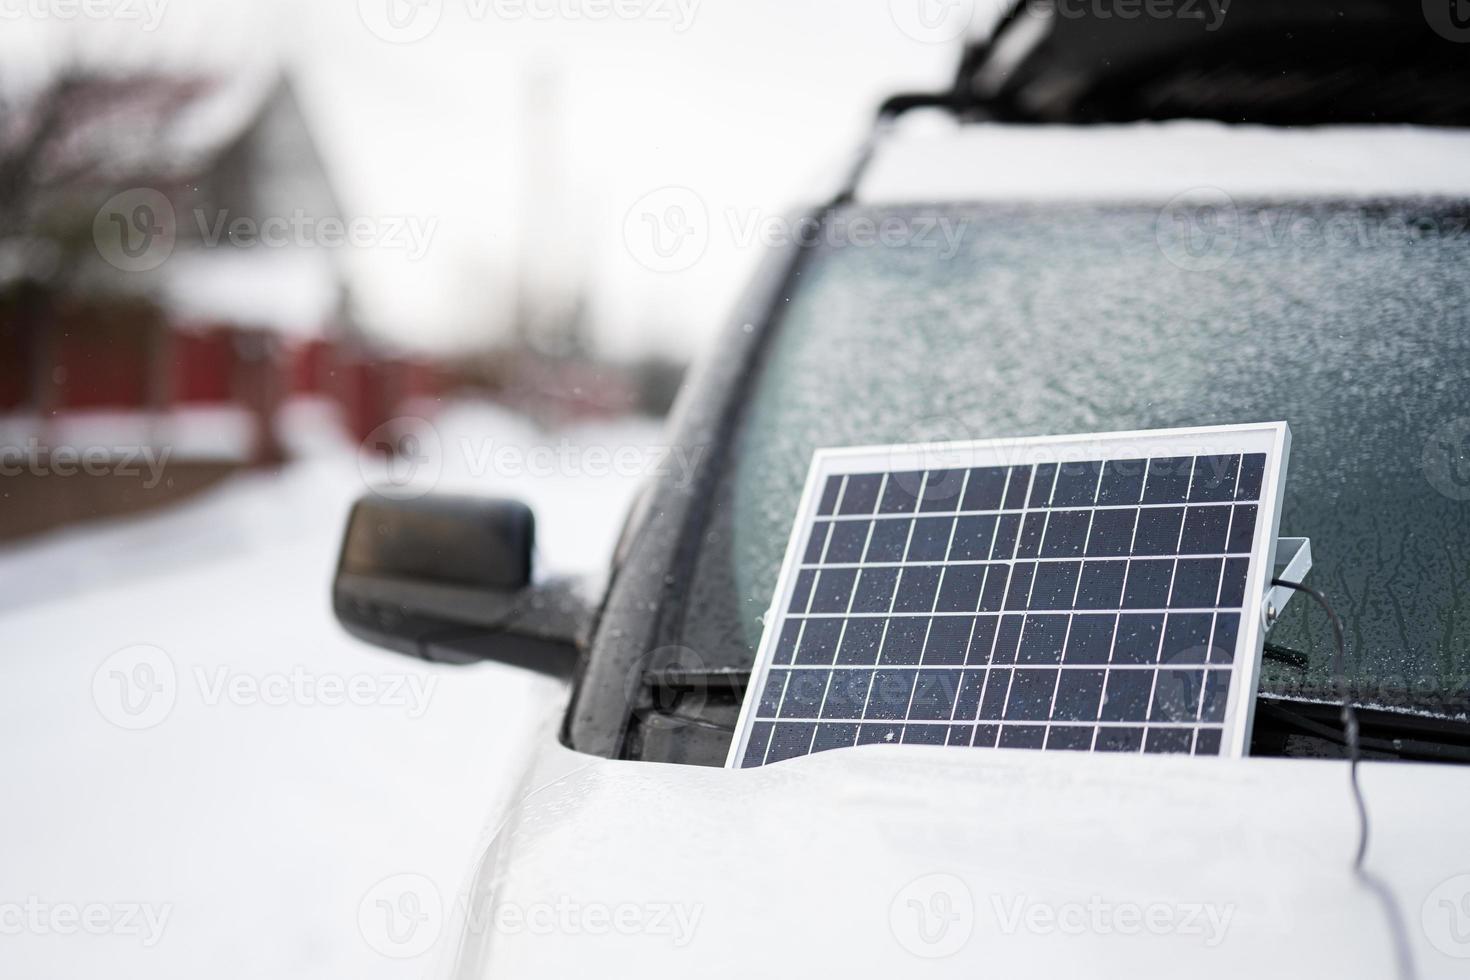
204	775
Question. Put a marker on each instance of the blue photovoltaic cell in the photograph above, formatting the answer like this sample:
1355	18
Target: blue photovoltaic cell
1080	606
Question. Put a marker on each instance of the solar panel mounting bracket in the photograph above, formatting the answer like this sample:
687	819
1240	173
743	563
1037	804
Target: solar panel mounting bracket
1293	561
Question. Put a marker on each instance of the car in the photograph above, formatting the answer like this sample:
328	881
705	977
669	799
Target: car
1105	224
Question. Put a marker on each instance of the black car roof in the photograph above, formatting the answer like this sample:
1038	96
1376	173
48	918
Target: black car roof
1274	62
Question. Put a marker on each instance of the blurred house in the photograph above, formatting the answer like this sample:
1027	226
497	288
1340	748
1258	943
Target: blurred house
170	277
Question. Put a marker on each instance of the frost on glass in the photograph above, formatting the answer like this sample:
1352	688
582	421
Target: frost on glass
1066	320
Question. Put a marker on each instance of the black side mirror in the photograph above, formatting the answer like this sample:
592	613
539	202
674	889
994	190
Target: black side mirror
448	579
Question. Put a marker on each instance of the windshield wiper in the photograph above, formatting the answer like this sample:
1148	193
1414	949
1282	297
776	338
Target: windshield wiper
1286	656
1391	734
1385	734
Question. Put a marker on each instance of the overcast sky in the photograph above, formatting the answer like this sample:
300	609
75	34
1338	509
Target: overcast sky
423	110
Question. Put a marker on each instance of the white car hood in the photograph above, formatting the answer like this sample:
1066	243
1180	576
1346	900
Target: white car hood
902	861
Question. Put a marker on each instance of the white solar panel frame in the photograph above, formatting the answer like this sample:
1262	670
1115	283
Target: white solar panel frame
1271	438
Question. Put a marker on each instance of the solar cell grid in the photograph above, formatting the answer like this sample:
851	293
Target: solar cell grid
1080	605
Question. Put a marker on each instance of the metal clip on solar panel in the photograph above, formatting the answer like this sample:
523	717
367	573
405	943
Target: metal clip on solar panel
1293	561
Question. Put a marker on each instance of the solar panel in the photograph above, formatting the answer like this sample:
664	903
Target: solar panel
1084	593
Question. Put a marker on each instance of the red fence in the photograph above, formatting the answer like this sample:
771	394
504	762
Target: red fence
111	360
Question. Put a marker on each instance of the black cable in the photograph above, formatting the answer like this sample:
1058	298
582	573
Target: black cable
1294	659
1349	716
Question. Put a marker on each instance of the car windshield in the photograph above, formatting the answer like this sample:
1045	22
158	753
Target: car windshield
1351	321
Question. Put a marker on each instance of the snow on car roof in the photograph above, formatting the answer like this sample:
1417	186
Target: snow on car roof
935	160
